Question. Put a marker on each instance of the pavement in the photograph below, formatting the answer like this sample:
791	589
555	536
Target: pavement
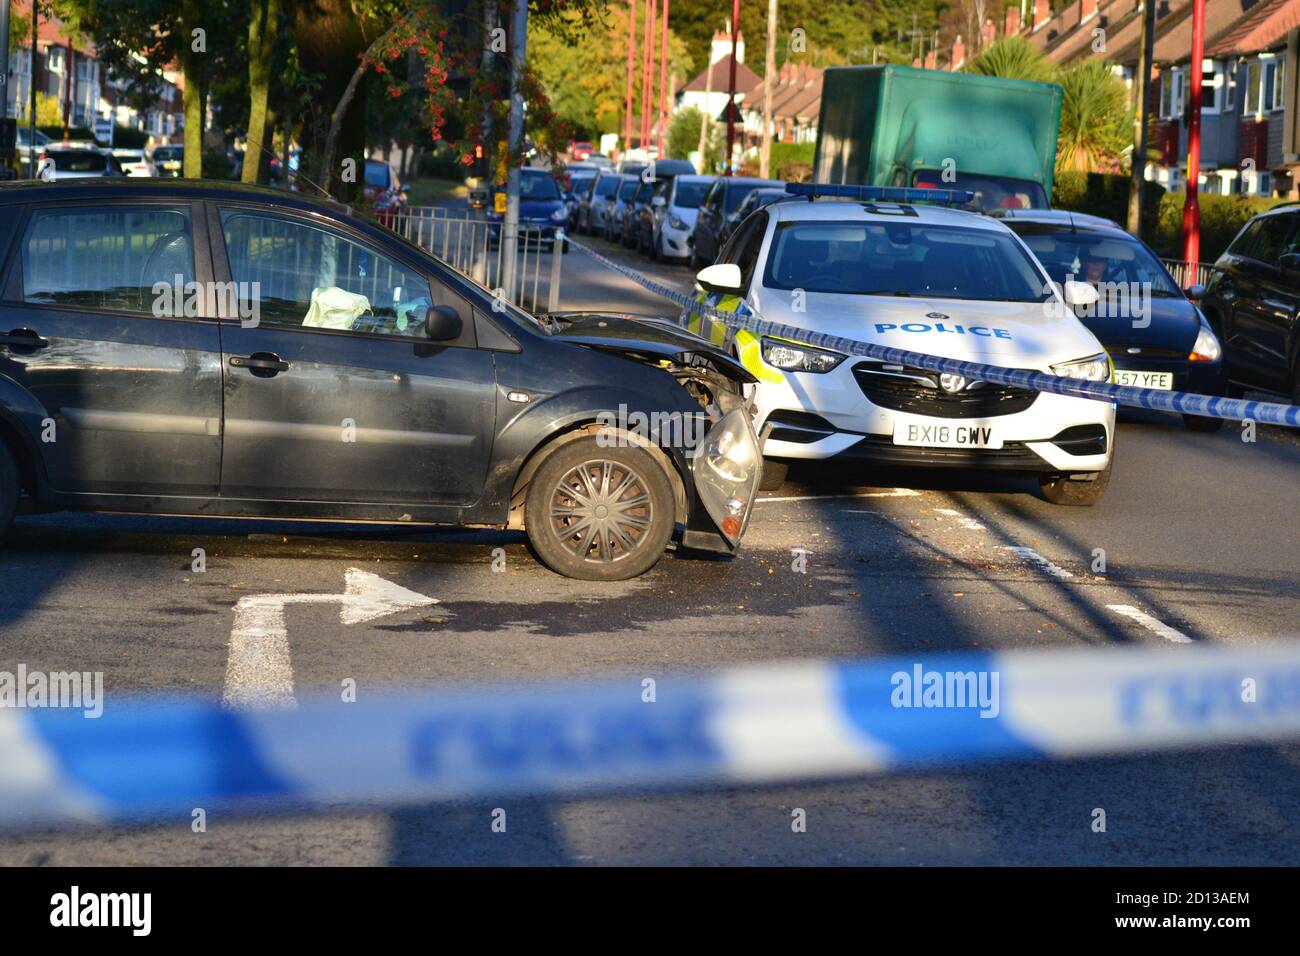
1199	542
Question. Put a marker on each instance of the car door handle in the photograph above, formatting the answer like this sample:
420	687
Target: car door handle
265	364
23	339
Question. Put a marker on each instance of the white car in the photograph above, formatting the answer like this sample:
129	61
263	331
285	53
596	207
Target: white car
674	216
135	162
927	279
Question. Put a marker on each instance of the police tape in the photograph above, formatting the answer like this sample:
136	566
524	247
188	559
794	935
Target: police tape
162	759
1210	406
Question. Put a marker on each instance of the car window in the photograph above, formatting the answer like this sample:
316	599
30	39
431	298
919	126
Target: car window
689	194
306	276
607	186
78	161
744	246
903	259
1098	258
737	194
538	187
711	198
108	259
1271	241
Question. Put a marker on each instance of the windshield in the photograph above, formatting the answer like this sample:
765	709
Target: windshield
167	153
690	195
903	259
607	186
737	193
1098	259
67	162
538	187
627	189
579	184
991	192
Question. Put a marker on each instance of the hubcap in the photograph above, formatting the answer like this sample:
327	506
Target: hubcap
601	511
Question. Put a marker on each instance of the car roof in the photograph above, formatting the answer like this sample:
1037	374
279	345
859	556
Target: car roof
696	178
1062	216
843	210
35	190
753	181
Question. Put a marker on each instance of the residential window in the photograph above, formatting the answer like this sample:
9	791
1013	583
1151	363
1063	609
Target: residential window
1265	90
1171	94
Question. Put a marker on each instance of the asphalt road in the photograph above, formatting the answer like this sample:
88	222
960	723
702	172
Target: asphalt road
1199	534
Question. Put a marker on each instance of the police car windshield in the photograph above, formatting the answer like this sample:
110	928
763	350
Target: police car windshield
903	259
1098	258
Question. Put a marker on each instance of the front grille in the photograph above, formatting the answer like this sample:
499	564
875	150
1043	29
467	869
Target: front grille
903	388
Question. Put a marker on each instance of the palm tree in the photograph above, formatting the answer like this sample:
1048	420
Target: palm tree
1015	59
1096	125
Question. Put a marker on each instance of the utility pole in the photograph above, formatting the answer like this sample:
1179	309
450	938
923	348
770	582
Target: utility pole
31	90
1191	208
67	91
631	60
731	87
647	73
769	71
1141	86
705	116
510	228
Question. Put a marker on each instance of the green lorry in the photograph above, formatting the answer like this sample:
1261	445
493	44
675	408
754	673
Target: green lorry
902	126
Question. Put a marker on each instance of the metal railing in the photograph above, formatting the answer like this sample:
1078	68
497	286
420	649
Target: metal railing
471	245
1179	270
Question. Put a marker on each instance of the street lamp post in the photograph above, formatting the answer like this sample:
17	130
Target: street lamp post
1191	209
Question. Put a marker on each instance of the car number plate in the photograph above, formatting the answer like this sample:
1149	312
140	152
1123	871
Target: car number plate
1136	379
931	434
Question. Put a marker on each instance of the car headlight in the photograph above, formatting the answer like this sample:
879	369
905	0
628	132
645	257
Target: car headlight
799	358
728	468
1093	369
676	223
1206	348
561	213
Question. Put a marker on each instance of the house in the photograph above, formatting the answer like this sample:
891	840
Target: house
708	91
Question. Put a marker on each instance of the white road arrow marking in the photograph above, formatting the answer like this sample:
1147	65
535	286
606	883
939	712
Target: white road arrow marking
258	672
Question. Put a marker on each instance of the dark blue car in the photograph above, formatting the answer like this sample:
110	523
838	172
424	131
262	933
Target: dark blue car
541	208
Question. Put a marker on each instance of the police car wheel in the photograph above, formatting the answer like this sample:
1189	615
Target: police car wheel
1202	423
599	514
774	473
1060	490
9	486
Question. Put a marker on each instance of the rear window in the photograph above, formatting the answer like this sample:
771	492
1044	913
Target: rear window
73	161
690	195
165	154
903	259
737	193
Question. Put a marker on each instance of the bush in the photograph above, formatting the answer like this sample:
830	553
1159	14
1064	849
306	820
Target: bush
1106	194
1221	219
792	161
440	164
217	165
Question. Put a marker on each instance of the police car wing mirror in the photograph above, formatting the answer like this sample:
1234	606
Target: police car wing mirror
1079	293
721	277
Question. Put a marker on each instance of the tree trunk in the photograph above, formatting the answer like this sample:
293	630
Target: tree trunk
262	28
192	99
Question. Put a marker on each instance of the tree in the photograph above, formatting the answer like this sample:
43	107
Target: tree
1015	59
263	27
1095	118
684	138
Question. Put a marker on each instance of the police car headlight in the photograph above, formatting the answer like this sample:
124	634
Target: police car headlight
1093	369
799	358
727	471
1206	348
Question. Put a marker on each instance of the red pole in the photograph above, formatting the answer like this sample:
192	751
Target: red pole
731	87
1191	209
663	81
647	72
631	61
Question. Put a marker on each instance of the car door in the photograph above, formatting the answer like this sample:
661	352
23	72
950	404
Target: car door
332	391
709	222
105	324
1263	306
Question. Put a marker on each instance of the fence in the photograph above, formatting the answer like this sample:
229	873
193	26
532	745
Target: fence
471	244
1179	270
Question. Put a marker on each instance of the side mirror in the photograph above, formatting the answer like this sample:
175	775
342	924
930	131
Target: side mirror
1080	293
442	324
1197	292
1289	262
722	277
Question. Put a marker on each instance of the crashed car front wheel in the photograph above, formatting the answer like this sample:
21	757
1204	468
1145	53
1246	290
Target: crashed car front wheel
599	514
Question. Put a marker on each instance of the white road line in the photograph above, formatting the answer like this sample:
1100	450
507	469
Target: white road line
258	670
1150	623
970	524
1033	557
895	493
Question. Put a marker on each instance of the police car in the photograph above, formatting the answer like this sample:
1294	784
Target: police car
926	278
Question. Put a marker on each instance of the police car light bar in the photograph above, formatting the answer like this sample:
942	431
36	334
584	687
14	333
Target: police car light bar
898	194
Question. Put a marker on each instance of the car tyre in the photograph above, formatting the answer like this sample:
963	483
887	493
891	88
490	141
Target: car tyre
1060	490
774	473
1202	423
10	485
568	491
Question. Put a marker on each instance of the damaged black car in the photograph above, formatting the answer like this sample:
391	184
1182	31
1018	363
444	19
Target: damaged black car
216	350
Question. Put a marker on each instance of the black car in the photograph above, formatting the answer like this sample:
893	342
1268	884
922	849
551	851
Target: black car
197	348
1154	333
632	212
1252	301
717	216
755	200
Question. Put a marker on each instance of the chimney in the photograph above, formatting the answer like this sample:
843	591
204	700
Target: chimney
958	53
1042	11
989	33
1013	21
929	60
916	61
1087	9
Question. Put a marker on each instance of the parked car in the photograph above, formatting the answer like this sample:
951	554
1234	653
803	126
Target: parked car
1252	302
382	190
581	150
23	151
617	210
575	186
940	281
77	162
1154	333
594	208
170	160
668	221
755	200
541	209
717	214
632	213
463	409
135	162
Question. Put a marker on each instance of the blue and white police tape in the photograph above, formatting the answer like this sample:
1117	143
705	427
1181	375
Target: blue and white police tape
160	759
1211	406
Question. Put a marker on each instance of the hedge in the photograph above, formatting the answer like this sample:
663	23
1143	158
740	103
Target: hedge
1106	195
792	161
